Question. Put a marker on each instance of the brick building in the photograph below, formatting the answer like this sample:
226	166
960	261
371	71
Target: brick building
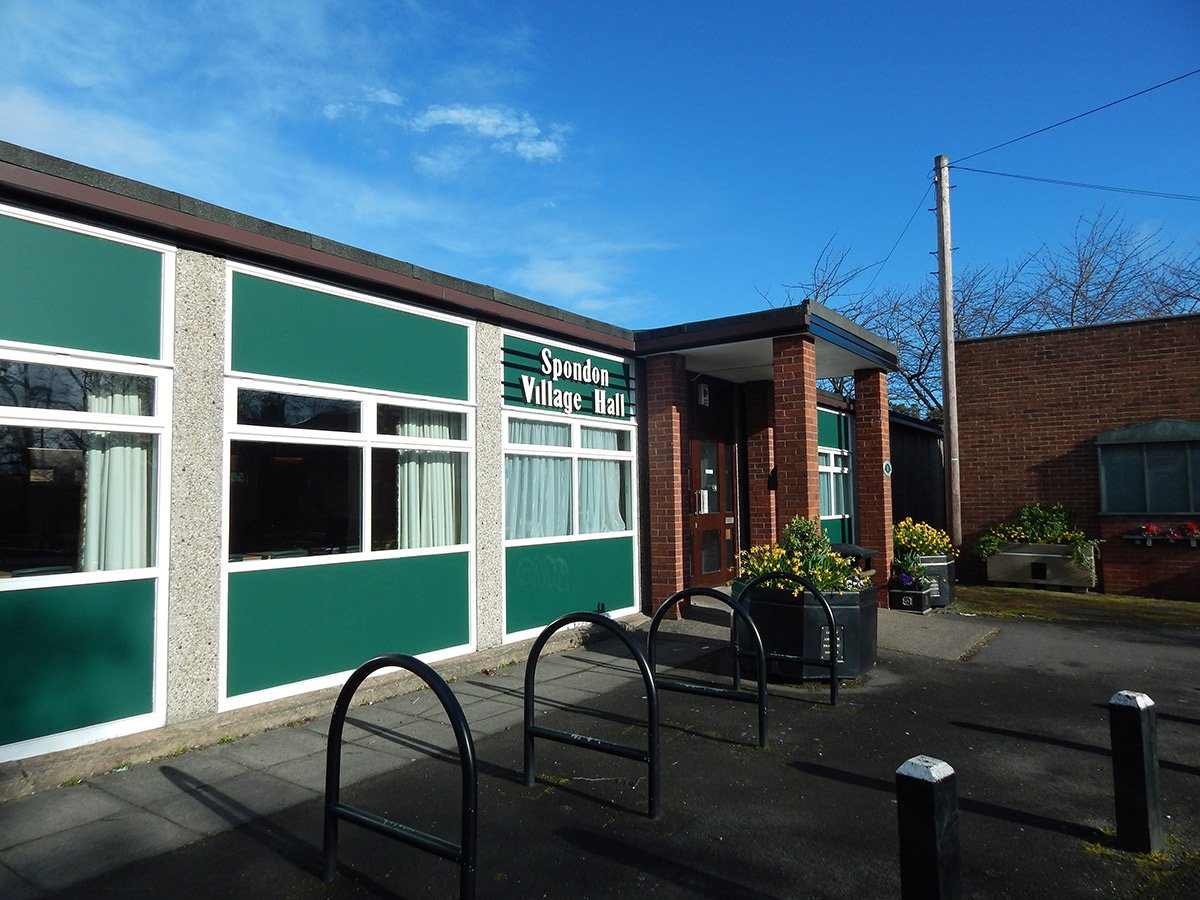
1105	419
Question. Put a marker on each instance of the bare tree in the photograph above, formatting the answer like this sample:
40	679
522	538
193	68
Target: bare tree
1106	272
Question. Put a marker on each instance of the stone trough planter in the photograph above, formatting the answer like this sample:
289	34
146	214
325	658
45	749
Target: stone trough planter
1038	565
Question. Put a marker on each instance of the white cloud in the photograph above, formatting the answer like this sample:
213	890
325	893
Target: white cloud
362	106
511	131
561	277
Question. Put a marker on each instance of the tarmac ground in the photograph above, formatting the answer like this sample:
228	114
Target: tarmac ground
1017	708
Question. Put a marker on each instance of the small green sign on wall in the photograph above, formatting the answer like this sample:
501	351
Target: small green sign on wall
546	376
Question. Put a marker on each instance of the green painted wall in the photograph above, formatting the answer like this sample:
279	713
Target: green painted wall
833	430
75	656
70	290
280	329
545	581
837	529
288	625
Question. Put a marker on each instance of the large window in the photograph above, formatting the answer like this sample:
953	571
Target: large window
78	468
566	478
1151	468
299	463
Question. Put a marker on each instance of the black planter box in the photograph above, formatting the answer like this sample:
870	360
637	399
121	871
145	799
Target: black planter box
911	601
789	627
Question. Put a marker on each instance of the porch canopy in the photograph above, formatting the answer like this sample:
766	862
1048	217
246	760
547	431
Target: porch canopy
774	359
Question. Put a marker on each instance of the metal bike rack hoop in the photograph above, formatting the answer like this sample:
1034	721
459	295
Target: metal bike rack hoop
708	689
650	755
463	853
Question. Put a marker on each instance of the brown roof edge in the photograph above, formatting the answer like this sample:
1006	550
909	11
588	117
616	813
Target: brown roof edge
194	225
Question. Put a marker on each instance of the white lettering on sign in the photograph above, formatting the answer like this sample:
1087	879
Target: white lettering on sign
584	372
544	393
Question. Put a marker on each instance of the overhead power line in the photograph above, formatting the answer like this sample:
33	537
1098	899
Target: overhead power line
1080	116
1095	187
903	232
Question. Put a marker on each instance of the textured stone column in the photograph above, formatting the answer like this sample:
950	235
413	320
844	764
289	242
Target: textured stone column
872	449
760	460
197	475
489	487
795	374
666	439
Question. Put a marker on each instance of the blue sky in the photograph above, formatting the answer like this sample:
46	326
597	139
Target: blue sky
644	163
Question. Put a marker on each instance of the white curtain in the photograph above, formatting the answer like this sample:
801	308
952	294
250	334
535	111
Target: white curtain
116	491
537	489
429	483
601	485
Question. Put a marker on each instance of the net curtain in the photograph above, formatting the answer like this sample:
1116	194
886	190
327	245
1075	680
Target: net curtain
430	494
116	498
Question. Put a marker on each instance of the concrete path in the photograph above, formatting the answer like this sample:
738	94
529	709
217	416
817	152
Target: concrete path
1020	714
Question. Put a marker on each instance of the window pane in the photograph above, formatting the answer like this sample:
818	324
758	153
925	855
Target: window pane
294	411
825	483
537	497
604	495
75	501
293	499
1122	478
422	423
710	551
544	434
604	439
35	386
417	499
1166	478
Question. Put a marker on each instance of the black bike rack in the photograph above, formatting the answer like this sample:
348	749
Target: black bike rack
462	853
708	689
809	588
650	755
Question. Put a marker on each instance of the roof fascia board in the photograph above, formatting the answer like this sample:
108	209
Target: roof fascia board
193	224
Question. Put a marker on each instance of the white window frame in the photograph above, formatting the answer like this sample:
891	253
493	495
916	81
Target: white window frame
158	425
365	440
575	452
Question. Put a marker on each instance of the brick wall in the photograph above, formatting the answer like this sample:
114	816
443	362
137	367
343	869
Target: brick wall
760	460
1029	409
871	450
666	426
795	375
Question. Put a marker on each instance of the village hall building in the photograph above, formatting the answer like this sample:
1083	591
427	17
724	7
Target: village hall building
238	460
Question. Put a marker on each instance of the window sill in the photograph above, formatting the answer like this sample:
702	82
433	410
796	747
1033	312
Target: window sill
1150	540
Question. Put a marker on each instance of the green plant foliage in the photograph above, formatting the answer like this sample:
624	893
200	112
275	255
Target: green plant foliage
805	551
1034	525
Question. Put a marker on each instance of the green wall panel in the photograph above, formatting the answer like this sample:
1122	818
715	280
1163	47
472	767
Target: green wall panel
75	656
289	625
281	329
545	581
837	529
833	429
71	290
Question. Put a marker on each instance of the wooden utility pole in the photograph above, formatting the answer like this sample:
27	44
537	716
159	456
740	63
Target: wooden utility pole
941	165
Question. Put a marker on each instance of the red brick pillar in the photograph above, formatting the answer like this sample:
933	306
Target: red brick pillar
760	460
795	374
872	448
666	434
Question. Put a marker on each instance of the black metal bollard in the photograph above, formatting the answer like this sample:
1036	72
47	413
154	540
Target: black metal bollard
1133	727
927	809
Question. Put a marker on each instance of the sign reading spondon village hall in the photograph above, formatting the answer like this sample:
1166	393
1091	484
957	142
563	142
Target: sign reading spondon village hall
545	376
